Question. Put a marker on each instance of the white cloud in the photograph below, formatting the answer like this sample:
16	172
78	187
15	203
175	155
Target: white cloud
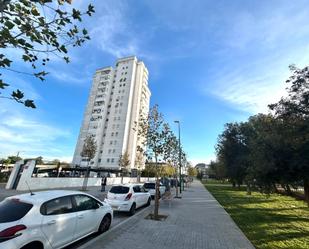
111	32
261	46
25	133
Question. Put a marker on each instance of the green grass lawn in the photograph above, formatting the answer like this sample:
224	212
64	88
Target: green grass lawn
268	222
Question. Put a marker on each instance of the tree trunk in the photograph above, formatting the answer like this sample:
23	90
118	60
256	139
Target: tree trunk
85	183
248	188
306	190
156	206
275	188
176	182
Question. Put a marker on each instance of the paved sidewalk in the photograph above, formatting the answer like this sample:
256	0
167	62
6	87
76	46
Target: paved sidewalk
197	221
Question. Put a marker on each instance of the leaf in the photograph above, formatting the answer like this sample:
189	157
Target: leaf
17	94
76	14
35	11
3	85
5	62
9	24
26	57
29	103
63	49
85	32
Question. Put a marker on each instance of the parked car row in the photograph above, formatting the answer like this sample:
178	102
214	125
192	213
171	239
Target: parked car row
51	219
57	218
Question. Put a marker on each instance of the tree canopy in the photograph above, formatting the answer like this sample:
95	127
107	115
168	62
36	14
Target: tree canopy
272	149
37	31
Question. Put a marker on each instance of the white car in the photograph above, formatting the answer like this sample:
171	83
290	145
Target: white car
151	188
127	198
51	219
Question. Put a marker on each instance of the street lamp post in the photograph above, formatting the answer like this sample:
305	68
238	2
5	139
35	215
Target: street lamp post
179	147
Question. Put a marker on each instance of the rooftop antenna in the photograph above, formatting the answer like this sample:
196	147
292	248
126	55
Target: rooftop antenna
31	193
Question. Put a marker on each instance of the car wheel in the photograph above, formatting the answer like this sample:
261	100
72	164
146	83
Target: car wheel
132	209
35	244
105	224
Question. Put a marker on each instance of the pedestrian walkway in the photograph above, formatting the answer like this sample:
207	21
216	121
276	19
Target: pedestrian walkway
197	221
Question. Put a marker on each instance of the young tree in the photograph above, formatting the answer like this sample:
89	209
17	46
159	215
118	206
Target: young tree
156	132
139	162
192	171
88	152
124	163
39	160
38	30
13	159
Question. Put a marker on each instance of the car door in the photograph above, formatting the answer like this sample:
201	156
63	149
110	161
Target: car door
59	221
89	215
145	195
138	195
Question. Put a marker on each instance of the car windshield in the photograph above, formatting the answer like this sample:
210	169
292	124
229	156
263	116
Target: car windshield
119	190
150	185
13	209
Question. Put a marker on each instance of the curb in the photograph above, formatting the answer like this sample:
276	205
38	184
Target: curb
102	236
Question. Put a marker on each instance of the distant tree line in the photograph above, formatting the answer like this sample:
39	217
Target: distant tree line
270	150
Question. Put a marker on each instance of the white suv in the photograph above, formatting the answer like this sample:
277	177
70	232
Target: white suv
127	198
51	219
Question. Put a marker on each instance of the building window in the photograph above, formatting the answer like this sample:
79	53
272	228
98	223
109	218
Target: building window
112	160
112	134
107	160
116	134
99	160
109	151
114	150
111	142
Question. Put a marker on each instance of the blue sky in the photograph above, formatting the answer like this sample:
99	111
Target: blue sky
210	62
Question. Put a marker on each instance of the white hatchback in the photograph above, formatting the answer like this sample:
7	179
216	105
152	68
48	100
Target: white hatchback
127	198
151	187
51	219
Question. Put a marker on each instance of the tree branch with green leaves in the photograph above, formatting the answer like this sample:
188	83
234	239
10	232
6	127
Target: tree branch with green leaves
37	29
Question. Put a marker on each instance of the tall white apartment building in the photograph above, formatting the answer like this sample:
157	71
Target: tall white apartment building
117	99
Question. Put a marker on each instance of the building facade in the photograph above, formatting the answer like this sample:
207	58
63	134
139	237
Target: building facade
118	98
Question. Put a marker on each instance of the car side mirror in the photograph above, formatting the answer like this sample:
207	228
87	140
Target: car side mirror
97	206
